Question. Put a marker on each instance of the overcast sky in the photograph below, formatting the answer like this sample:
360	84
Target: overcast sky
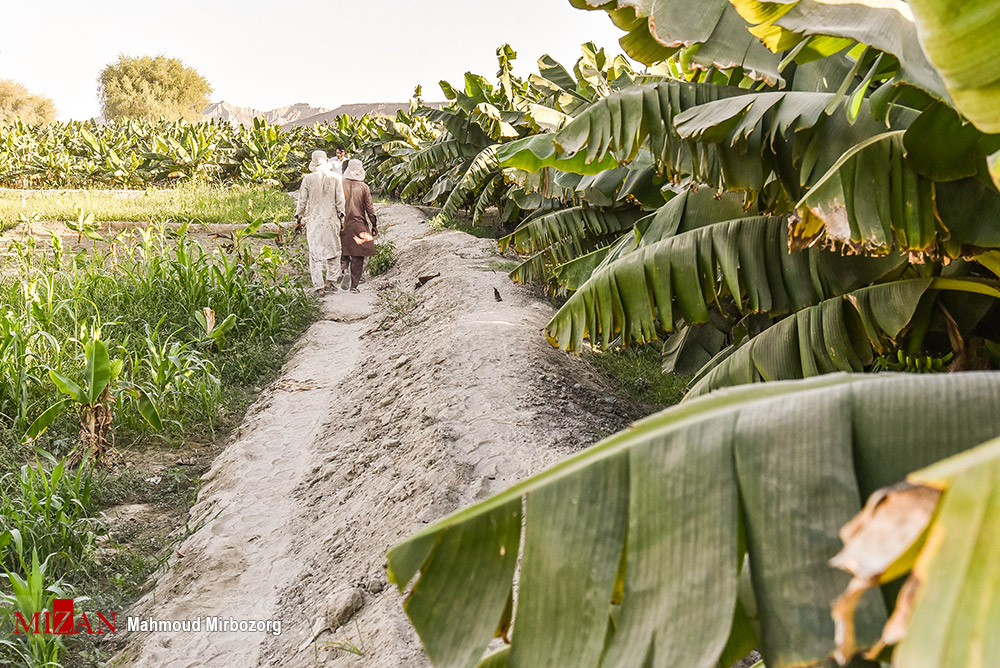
267	54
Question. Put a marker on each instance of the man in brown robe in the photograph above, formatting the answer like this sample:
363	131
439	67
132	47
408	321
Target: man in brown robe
357	240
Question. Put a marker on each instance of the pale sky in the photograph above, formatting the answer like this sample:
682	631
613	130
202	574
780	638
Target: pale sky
268	54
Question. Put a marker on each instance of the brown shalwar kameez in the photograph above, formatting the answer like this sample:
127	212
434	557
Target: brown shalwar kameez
357	240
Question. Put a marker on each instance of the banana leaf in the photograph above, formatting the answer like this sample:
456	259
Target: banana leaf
839	334
940	526
963	47
664	513
564	225
613	130
886	25
641	294
873	200
483	167
713	34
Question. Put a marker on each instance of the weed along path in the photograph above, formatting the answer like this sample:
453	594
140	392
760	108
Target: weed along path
402	404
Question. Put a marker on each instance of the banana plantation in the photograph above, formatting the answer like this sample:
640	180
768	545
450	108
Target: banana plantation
787	190
140	154
795	202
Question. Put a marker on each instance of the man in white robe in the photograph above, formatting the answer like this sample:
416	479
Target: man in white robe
321	209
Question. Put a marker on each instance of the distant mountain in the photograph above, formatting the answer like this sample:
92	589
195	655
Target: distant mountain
305	114
357	110
230	113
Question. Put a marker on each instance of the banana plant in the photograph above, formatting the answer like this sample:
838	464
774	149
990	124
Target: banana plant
84	226
844	159
93	398
692	537
868	231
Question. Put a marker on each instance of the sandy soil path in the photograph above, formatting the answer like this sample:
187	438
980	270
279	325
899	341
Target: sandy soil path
398	407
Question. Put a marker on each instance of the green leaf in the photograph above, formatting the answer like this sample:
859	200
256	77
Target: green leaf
455	609
483	167
954	621
97	373
67	386
962	44
738	117
946	611
563	541
871	200
691	347
222	328
614	129
147	409
717	36
839	334
646	290
552	71
567	225
42	422
940	146
538	151
886	25
797	457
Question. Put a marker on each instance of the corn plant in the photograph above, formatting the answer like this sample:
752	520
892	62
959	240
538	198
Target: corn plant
210	333
42	512
28	595
48	511
84	226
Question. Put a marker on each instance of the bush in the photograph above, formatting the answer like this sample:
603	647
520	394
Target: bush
384	258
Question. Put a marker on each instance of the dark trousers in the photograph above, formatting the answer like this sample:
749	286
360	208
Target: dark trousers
356	263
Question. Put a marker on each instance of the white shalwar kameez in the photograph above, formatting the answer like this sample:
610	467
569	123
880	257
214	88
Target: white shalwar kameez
321	205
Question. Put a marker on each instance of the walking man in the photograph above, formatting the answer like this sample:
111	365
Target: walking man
321	207
357	239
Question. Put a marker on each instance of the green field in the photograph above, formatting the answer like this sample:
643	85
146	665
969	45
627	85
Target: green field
207	204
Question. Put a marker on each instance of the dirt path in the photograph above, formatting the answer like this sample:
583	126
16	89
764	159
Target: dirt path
401	405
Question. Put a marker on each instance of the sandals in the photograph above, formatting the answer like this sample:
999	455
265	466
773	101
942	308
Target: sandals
345	282
320	292
355	290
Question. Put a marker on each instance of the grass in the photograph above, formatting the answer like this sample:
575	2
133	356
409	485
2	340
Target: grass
639	375
208	204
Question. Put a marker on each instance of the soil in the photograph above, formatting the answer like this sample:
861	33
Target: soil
399	406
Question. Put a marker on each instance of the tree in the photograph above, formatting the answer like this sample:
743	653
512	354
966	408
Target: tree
16	101
149	87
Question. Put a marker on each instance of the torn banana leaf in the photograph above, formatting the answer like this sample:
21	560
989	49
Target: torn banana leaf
943	524
771	472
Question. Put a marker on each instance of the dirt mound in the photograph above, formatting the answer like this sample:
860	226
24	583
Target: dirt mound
402	405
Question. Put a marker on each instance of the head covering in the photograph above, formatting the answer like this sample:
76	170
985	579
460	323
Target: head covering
319	161
355	171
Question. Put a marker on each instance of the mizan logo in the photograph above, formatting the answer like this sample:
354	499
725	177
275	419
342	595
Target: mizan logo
63	621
